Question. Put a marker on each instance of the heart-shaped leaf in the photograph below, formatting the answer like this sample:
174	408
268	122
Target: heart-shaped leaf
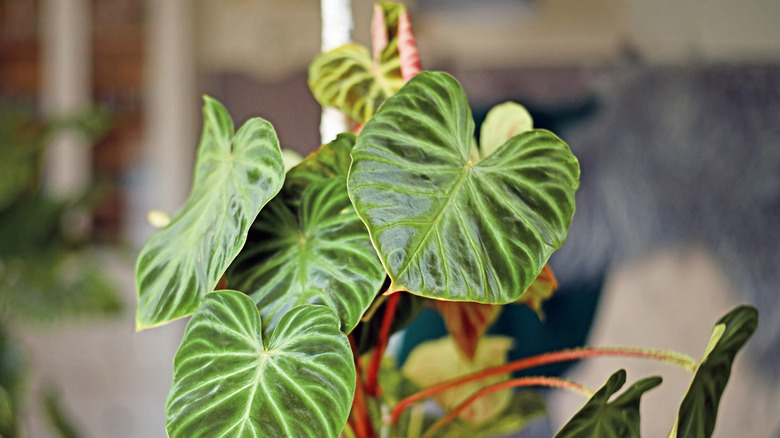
323	255
351	79
503	122
616	419
445	227
699	408
235	176
230	381
437	361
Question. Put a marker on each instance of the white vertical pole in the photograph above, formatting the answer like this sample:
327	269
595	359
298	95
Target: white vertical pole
66	88
336	31
170	113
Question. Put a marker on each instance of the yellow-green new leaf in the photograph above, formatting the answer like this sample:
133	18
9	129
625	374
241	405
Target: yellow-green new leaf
235	176
231	381
503	122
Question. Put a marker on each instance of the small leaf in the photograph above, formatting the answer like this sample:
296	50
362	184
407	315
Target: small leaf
448	228
467	322
436	361
230	381
235	176
322	255
540	291
699	408
503	122
604	419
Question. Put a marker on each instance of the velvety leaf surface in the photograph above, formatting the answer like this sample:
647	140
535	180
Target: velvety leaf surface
235	176
322	255
437	361
616	419
444	226
699	408
503	122
467	322
231	381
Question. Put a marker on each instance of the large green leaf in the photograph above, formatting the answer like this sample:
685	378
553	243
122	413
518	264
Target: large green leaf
616	419
230	381
699	408
322	255
444	226
235	176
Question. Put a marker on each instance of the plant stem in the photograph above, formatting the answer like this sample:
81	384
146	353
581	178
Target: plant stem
671	357
372	377
523	381
362	418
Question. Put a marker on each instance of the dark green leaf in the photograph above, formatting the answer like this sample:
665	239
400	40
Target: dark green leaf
444	226
323	256
231	381
366	334
329	161
235	176
699	408
604	419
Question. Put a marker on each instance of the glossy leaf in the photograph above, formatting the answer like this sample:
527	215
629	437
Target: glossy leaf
616	419
329	161
437	361
503	122
699	408
235	176
467	322
357	82
322	255
445	227
230	380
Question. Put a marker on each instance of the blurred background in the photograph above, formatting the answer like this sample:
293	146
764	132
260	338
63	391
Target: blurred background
672	107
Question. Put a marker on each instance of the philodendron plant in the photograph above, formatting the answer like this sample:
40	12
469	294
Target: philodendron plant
325	261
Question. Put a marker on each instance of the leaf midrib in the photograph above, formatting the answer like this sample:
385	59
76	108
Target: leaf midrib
458	184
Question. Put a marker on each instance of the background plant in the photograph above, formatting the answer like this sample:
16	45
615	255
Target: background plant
326	260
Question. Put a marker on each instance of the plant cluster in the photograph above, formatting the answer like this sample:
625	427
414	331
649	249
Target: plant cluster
326	260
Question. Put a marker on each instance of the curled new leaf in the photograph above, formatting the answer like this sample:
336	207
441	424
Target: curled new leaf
448	228
616	419
235	176
230	380
699	408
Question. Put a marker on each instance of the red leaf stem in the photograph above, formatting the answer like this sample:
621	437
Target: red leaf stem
362	419
372	377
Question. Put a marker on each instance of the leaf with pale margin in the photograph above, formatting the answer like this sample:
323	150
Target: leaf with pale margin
445	227
699	408
616	419
503	122
235	176
321	256
230	381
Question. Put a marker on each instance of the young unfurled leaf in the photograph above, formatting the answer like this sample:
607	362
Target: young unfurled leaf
231	380
616	419
437	361
357	82
699	408
503	122
467	322
235	176
448	228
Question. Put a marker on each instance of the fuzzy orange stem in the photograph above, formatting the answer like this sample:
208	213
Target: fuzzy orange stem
372	377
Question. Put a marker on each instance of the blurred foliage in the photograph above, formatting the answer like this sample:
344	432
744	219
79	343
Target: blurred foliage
48	272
